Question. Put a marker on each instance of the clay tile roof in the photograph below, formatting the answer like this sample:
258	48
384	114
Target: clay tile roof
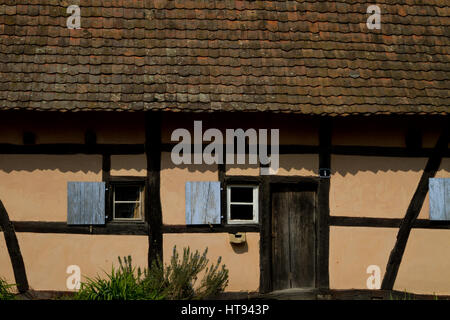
310	56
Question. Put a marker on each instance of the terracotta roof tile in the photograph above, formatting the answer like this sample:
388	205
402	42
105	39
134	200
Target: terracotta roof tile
284	56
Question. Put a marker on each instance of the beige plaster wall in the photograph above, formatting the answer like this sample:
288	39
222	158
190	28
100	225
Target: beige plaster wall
380	187
353	249
242	170
299	165
34	187
47	256
425	266
242	262
173	180
129	165
6	270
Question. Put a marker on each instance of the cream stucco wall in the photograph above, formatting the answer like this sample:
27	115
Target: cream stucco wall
47	256
6	270
425	267
34	187
379	187
353	249
173	180
129	165
241	261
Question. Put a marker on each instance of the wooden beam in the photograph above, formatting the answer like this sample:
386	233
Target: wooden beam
112	228
265	235
413	211
106	167
153	211
209	229
69	148
385	222
15	255
221	168
323	206
385	151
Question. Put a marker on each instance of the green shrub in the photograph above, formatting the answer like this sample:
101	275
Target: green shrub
178	280
121	284
5	290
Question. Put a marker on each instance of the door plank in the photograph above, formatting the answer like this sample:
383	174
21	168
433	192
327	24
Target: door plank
293	237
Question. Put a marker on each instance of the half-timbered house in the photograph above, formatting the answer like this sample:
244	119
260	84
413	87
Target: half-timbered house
361	196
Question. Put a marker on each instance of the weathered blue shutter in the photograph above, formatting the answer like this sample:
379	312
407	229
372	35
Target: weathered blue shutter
439	189
86	203
203	202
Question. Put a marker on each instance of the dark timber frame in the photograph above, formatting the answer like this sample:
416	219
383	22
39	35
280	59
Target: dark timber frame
413	211
153	211
154	229
14	250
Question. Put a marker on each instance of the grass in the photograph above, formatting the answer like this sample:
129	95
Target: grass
5	290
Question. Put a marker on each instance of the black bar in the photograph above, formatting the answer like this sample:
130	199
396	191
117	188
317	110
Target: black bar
68	148
153	184
14	250
323	206
209	228
386	222
432	166
114	228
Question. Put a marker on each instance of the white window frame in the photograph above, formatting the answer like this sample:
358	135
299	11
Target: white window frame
140	202
254	204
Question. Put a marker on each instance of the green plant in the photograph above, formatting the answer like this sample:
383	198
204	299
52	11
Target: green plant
5	290
124	283
178	280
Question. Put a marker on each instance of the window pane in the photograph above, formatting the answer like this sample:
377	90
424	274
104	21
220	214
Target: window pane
127	193
241	212
127	211
243	194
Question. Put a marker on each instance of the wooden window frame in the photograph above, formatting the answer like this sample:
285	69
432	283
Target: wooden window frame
254	204
125	181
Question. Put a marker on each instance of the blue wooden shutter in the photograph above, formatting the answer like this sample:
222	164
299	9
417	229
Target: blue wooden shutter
439	189
86	203
203	202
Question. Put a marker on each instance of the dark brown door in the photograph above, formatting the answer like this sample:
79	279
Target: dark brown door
293	237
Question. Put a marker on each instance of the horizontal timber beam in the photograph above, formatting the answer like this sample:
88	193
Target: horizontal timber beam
341	221
62	227
69	148
209	229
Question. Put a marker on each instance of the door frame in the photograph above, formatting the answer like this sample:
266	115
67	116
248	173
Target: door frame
321	187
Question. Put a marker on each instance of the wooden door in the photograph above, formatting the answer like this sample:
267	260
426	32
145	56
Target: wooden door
293	237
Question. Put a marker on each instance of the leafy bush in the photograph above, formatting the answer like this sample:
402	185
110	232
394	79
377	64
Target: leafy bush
121	284
5	290
178	280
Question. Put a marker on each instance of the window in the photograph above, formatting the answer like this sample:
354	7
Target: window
127	201
242	204
439	190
